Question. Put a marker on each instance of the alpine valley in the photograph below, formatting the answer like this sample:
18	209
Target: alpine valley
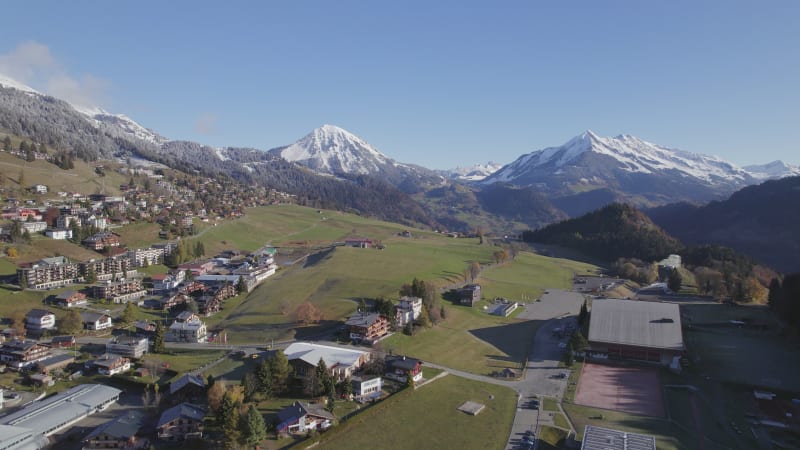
333	168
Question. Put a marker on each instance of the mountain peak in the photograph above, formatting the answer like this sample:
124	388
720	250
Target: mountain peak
9	82
334	150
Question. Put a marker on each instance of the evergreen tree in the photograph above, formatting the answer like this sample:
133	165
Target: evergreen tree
241	286
21	179
250	386
22	280
7	144
346	387
228	419
280	369
255	430
263	375
129	313
158	339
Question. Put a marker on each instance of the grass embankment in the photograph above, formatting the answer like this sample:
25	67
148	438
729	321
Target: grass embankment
402	425
551	437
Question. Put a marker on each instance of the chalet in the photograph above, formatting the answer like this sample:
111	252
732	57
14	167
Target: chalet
400	367
55	362
469	294
408	310
367	327
110	364
95	321
99	241
63	341
341	362
301	417
38	320
181	422
145	328
19	354
188	388
122	433
366	388
69	299
128	346
358	243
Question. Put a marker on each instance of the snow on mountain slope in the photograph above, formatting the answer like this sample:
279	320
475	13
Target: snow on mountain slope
333	150
473	173
98	117
773	170
11	83
631	154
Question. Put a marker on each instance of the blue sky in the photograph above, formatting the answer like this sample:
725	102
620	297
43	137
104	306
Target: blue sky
444	84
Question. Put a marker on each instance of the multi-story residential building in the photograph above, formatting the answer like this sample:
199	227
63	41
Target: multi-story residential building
119	291
168	281
181	422
128	346
49	273
39	320
64	221
95	321
34	227
367	327
191	330
109	268
408	310
110	364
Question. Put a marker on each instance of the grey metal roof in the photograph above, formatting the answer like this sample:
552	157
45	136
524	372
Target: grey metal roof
333	356
56	359
363	319
639	323
89	316
597	438
123	427
185	410
47	416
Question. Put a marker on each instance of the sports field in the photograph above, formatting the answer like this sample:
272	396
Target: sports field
634	390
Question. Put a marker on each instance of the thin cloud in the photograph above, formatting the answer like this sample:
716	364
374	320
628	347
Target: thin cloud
206	123
33	64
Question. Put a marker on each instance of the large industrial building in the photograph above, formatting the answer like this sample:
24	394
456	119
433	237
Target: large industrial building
53	414
635	330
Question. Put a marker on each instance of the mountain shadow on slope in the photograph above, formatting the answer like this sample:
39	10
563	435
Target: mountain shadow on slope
760	221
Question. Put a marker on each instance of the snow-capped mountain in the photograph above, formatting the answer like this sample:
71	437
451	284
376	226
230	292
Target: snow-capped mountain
335	151
589	169
116	124
773	170
474	173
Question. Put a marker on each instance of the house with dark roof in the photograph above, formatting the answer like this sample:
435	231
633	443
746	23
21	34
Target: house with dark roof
303	417
110	364
188	388
367	327
69	299
181	422
121	433
63	341
22	353
95	321
55	362
399	368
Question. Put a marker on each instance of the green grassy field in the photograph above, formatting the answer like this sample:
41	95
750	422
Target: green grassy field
398	422
550	437
529	275
138	235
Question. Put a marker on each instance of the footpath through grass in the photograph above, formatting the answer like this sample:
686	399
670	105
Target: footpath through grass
428	418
